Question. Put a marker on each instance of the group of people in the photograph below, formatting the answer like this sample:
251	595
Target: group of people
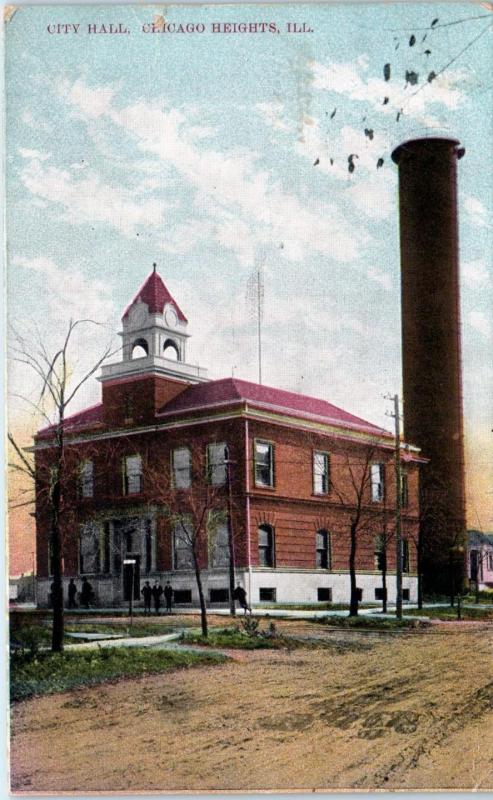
86	594
153	594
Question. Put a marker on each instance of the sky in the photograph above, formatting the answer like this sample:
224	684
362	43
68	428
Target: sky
217	154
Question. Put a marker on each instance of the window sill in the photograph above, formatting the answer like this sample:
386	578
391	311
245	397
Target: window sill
262	486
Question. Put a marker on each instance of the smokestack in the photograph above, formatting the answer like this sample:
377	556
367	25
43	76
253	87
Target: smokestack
431	346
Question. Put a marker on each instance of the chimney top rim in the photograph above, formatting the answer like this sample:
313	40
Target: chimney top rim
415	142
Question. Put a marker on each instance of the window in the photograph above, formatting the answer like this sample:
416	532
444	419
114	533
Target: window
265	546
405	555
380	593
320	473
86	479
359	595
404	491
128	403
182	468
217	455
324	595
323	550
377	482
88	549
219	595
132	477
490	561
182	596
267	595
219	546
405	594
182	545
264	464
380	552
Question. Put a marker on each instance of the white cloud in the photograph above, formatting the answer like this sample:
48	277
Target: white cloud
86	199
480	322
476	210
380	277
67	296
273	114
91	102
352	80
230	183
25	152
475	273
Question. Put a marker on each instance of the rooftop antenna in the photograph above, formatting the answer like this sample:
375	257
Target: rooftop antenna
255	293
154	266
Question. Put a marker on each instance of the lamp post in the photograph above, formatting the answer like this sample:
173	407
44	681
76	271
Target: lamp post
231	541
131	562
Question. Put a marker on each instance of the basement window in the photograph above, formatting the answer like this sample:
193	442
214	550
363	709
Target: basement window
219	595
379	593
182	596
324	595
405	594
267	595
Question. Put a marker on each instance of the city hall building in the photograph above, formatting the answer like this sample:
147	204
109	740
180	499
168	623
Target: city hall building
288	472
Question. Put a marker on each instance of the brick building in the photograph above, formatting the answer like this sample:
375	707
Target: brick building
288	471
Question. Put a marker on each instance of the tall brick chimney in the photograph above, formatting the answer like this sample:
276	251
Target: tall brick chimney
431	347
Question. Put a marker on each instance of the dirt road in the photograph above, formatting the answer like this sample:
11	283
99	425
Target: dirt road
405	712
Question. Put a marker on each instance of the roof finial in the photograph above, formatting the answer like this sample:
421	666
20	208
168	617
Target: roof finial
154	265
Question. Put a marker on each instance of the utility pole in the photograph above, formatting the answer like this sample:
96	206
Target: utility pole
398	505
231	539
259	317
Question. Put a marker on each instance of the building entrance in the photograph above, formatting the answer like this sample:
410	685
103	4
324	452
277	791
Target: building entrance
131	577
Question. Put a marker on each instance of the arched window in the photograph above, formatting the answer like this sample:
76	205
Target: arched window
266	546
170	350
140	348
323	549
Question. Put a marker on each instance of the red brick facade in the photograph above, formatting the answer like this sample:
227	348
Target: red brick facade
292	484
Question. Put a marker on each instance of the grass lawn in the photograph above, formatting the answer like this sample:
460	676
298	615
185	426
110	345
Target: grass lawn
373	623
46	673
234	638
450	614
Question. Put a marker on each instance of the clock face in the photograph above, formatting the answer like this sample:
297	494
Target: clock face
170	317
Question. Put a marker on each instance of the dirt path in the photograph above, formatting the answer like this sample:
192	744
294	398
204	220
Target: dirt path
410	712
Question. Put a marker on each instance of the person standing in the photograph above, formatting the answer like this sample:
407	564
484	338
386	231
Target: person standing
157	591
240	595
86	593
147	593
72	594
168	596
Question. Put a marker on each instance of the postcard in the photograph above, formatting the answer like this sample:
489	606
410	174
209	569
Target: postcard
249	283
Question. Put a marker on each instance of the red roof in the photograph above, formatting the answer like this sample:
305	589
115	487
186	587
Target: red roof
89	416
298	405
231	390
156	295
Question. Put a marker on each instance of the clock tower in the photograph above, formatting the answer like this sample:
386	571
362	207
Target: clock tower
153	368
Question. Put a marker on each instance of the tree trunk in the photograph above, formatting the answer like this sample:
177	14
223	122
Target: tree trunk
353	606
384	579
57	594
203	609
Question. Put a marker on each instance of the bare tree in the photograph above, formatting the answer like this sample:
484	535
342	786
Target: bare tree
360	488
58	386
194	507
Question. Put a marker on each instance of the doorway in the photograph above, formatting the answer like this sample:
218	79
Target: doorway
131	571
